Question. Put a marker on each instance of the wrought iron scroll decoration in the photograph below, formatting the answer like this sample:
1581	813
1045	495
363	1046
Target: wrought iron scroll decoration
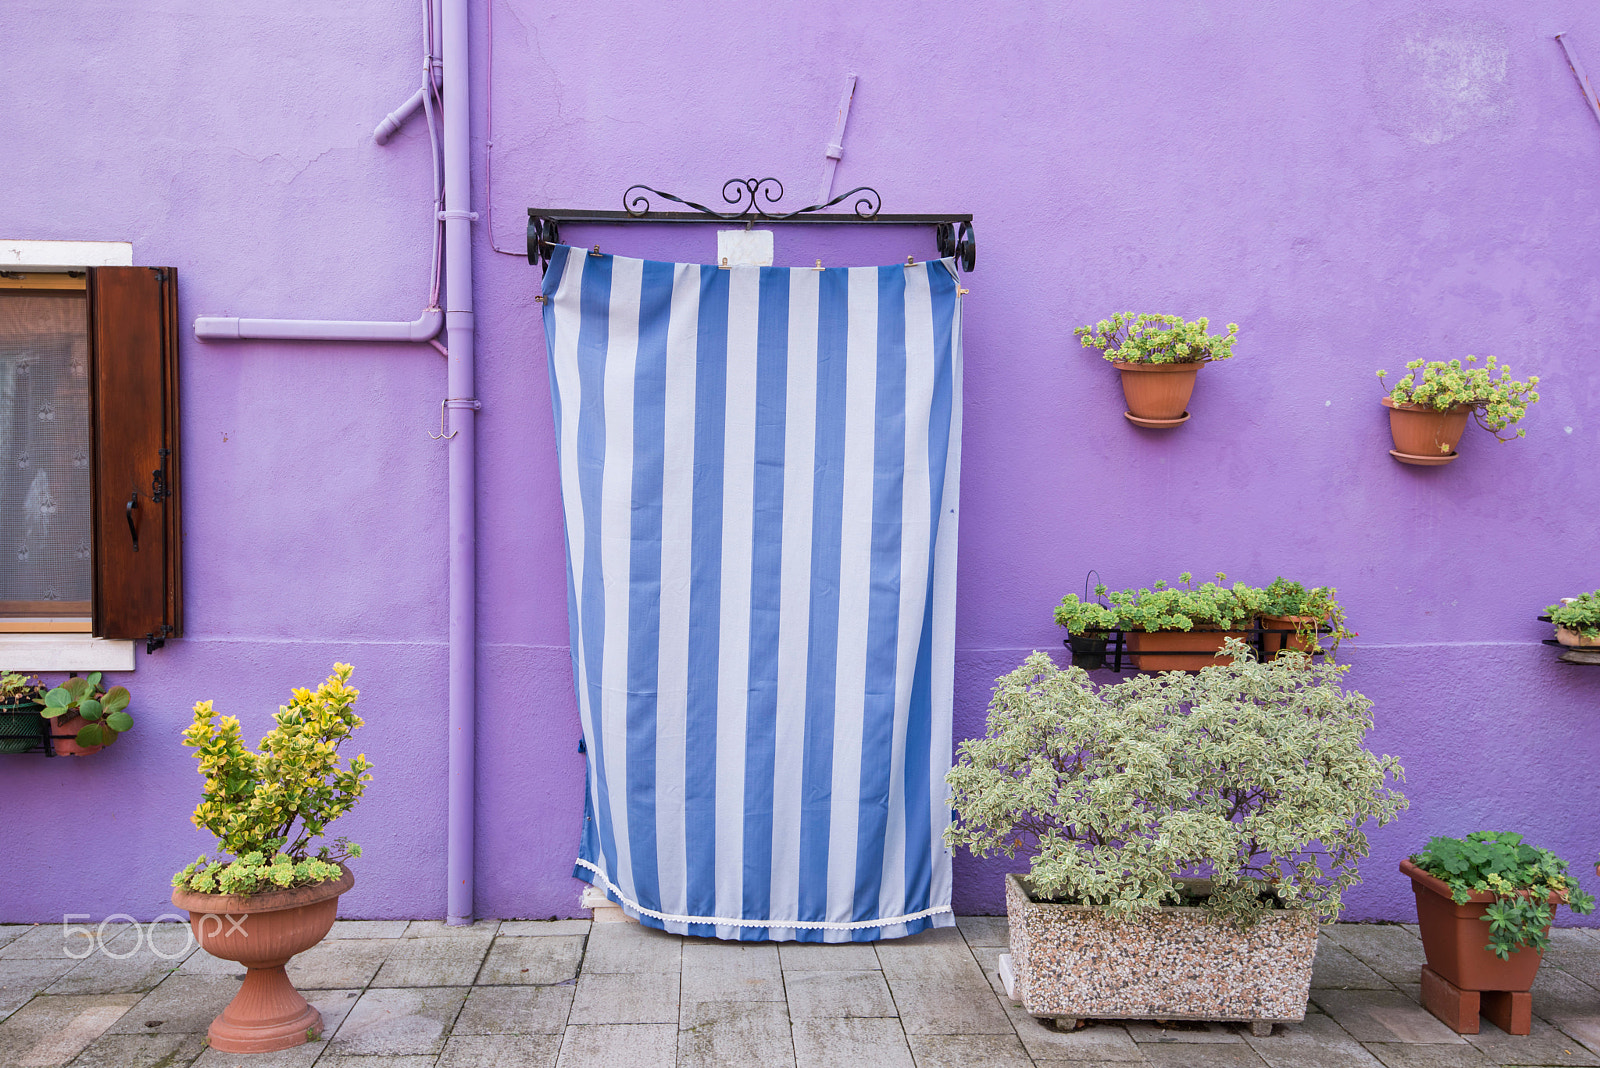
751	198
745	195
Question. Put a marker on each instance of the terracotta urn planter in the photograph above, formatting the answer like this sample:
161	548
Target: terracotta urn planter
262	931
64	736
1168	647
1157	393
1569	637
1068	962
1462	976
1272	643
1424	436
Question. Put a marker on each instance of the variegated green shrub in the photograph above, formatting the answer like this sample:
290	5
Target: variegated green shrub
1254	775
267	808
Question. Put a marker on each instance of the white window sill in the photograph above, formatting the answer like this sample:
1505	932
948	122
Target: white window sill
29	653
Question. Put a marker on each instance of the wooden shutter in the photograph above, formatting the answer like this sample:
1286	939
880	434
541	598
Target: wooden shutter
133	374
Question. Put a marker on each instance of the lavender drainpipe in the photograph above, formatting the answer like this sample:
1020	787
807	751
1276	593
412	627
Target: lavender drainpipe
449	23
463	499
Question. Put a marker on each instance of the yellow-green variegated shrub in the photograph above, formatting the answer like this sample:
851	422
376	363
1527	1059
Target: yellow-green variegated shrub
1254	775
267	808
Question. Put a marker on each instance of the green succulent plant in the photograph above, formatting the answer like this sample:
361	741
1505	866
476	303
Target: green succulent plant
1497	403
105	710
1253	774
1580	613
1522	878
1129	338
19	689
1161	607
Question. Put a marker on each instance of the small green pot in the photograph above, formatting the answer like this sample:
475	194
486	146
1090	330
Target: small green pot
21	727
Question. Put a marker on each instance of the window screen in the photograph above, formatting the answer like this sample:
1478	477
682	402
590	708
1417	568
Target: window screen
45	553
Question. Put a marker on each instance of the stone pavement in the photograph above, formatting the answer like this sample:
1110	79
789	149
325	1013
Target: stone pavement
571	994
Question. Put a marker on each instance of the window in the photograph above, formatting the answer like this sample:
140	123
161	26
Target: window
89	513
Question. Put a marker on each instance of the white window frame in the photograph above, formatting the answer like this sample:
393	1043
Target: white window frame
58	651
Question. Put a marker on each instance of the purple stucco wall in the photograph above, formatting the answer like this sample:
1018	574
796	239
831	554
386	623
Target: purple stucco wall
1355	184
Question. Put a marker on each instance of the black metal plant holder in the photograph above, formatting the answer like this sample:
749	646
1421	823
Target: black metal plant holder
1108	649
1588	657
751	199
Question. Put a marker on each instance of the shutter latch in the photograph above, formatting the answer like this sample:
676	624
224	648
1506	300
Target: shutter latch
158	480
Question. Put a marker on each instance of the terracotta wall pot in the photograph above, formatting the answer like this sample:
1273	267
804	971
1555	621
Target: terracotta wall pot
1568	636
1426	433
1455	938
64	731
1203	643
1271	643
21	727
1157	390
262	931
1172	963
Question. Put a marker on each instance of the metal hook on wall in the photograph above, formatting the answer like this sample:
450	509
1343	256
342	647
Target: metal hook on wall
441	435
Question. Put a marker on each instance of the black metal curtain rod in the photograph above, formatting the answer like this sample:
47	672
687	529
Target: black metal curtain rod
953	233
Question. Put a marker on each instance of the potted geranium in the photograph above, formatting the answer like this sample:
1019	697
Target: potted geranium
1166	628
1484	905
1295	617
1158	356
1251	774
270	894
84	716
21	729
1577	620
1428	407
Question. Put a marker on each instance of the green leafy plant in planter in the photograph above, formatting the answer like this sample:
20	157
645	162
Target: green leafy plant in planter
103	713
1579	616
1254	776
20	726
1527	883
1158	357
1310	613
1162	608
1429	405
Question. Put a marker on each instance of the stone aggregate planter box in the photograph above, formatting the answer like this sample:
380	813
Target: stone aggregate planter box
1071	962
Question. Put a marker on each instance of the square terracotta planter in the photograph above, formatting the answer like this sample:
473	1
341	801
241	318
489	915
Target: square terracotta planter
1071	962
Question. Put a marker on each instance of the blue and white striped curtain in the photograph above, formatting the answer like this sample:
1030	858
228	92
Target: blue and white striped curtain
759	470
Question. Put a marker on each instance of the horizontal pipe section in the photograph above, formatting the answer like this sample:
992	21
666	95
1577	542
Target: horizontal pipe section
220	328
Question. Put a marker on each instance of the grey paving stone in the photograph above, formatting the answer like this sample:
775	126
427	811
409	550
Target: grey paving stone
617	948
731	972
1571	1005
337	965
1383	1016
644	997
51	1030
369	928
988	958
729	1034
202	963
1391	950
968	1051
27	977
615	1045
182	1004
334	1005
1545	1045
515	1010
431	961
336	1060
1395	1055
940	953
1099	1041
984	930
10	932
1585	1029
821	957
500	1051
484	929
532	960
133	962
403	1021
847	1043
1184	1031
834	994
55	942
1315	1042
532	928
1338	969
1203	1056
938	1007
141	1051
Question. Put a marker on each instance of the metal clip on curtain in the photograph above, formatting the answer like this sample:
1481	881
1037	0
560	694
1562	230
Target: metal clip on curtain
751	199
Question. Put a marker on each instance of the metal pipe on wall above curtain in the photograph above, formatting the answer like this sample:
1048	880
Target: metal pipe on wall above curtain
463	506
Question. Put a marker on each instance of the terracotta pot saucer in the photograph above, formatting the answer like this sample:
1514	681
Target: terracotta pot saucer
1423	461
1156	424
